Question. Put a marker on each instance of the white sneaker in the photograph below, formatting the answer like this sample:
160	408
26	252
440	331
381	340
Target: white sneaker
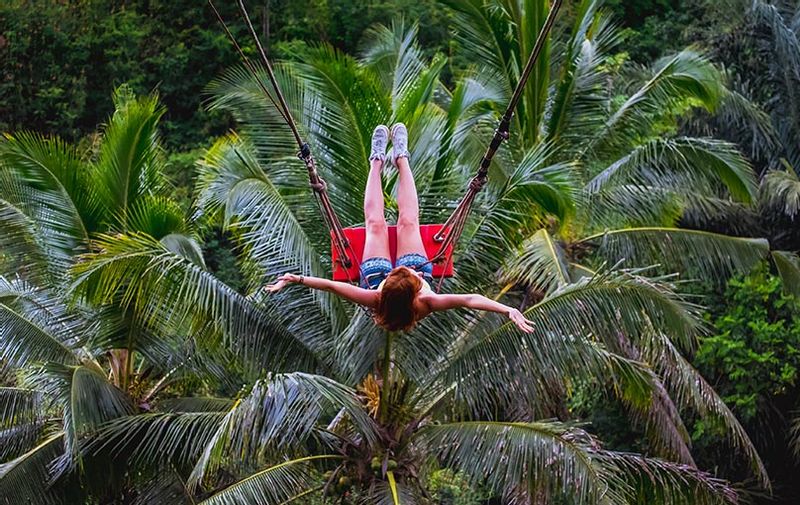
380	139
399	142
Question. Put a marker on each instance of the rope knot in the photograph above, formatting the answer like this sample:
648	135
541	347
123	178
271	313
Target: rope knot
305	152
319	187
477	183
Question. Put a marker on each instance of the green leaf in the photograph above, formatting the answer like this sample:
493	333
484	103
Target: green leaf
278	417
508	457
540	263
26	478
275	485
788	265
129	165
694	253
687	162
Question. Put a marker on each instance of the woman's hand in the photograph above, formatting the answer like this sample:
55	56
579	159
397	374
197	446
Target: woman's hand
283	280
518	319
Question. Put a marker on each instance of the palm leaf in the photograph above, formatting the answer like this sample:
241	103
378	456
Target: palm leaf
780	190
541	264
129	163
86	400
688	162
21	421
788	265
20	247
708	256
690	389
507	456
156	440
394	55
273	240
674	80
24	340
167	290
44	180
578	103
277	417
26	479
275	485
657	481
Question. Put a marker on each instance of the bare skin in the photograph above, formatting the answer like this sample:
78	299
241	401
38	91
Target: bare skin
409	241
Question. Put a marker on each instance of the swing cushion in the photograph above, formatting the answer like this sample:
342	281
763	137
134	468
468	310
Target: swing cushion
357	236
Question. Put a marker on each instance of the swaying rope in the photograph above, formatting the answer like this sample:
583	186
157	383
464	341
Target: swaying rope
315	181
453	228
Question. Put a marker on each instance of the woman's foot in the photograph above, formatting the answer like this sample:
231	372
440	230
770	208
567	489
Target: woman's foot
380	139
399	142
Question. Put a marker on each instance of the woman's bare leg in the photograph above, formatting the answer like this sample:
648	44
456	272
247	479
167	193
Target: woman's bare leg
409	239
377	240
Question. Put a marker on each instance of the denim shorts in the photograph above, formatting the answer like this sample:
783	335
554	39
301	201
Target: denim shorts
375	270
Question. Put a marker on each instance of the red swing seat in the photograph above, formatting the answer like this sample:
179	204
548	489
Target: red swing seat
357	236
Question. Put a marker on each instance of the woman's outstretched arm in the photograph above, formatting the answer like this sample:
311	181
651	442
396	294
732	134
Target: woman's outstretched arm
480	302
365	297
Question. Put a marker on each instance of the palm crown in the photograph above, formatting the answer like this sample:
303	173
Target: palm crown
561	229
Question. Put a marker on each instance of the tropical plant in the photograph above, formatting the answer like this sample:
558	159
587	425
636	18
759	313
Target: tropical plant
78	362
381	412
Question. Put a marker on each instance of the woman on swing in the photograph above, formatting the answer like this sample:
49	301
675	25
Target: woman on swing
400	295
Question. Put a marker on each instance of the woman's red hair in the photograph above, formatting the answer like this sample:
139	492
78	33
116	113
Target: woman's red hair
395	310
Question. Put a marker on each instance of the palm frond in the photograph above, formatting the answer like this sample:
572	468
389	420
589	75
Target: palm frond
45	181
653	480
788	265
536	192
394	55
675	80
685	162
780	190
129	163
166	488
484	364
794	436
540	263
184	246
508	456
689	389
26	478
156	215
21	421
20	247
694	253
86	399
25	339
167	290
274	241
275	485
277	417
195	404
578	103
156	440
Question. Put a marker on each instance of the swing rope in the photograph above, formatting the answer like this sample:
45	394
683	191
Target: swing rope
316	182
453	228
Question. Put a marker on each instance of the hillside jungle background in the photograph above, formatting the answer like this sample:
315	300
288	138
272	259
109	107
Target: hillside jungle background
61	61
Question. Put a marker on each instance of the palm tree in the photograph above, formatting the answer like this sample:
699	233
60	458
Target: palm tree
80	363
379	411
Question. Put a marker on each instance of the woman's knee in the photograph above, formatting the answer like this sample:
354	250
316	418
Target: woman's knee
375	225
406	220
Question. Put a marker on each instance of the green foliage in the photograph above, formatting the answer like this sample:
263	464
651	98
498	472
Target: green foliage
755	350
450	488
61	59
